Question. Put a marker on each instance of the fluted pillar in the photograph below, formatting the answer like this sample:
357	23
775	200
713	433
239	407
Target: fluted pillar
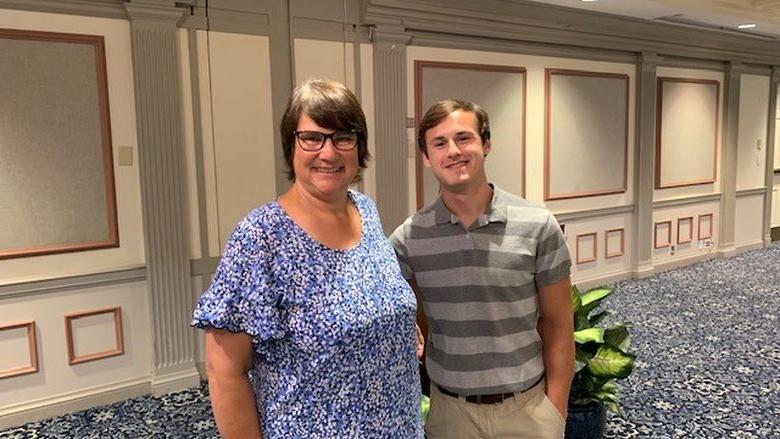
647	89
161	158
728	162
774	83
390	161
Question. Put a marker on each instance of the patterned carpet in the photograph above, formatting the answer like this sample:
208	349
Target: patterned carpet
707	338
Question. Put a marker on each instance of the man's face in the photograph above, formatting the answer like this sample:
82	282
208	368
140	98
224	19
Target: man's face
455	152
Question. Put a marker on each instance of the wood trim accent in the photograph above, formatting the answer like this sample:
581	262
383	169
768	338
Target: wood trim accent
592	257
622	251
668	241
690	230
709	232
120	343
98	42
658	129
32	344
547	79
419	65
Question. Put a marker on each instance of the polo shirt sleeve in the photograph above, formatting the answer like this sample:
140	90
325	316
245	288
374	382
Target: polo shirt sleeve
398	240
553	262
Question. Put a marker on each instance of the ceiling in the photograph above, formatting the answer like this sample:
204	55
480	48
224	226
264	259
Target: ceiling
723	15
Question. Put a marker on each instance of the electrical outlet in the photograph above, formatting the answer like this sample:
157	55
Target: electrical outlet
672	249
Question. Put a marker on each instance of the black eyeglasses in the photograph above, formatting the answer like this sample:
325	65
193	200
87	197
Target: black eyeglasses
314	140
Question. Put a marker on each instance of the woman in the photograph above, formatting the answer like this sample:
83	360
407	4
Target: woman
310	327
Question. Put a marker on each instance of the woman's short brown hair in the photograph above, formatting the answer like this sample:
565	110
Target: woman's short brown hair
440	110
331	105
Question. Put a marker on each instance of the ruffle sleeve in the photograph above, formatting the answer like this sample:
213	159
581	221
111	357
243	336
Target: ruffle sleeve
242	297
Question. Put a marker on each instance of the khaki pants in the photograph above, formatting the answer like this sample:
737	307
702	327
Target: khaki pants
529	414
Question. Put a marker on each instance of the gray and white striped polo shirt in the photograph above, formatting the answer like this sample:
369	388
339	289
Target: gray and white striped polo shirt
479	290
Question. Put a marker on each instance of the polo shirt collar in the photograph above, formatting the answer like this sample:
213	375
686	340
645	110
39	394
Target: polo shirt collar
495	212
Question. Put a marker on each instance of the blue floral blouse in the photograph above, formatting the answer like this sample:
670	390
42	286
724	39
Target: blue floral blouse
333	330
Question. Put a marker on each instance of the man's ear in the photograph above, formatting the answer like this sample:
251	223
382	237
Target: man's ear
486	147
425	159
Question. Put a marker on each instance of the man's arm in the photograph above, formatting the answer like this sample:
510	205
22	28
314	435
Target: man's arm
556	328
228	358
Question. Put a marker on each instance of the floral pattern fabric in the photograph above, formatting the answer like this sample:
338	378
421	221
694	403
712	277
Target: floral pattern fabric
333	330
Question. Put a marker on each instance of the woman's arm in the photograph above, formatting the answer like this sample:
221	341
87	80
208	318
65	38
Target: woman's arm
228	358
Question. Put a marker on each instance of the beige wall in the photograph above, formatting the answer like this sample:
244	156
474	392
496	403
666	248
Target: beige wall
122	108
753	116
57	382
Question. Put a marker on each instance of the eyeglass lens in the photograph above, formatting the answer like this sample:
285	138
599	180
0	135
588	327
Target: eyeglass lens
314	140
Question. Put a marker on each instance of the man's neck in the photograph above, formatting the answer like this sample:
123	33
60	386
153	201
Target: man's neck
468	204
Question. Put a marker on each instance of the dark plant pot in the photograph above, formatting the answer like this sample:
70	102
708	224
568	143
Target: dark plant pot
586	422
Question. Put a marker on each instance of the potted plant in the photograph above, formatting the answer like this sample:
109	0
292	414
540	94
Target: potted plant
601	356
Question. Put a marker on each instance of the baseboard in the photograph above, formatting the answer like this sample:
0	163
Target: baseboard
602	279
750	246
175	381
58	405
683	261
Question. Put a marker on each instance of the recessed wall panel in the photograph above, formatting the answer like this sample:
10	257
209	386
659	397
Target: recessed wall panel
686	132
57	189
586	133
498	89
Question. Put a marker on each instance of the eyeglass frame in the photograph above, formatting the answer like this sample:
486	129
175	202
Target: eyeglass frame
325	138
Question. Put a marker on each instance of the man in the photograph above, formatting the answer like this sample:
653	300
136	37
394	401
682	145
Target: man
491	271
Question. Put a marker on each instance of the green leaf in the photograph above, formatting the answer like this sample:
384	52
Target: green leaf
618	337
581	359
589	335
597	318
610	362
613	407
576	302
595	295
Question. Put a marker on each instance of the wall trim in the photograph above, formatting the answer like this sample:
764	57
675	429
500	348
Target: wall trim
573	215
682	201
684	261
69	7
175	381
36	287
750	245
750	192
57	405
204	266
529	21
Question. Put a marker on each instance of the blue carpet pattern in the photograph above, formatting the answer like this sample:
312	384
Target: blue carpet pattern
707	339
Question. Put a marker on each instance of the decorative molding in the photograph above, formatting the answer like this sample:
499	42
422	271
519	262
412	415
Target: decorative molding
607	254
668	241
47	286
689	238
419	66
644	162
15	414
547	133
686	200
32	344
104	127
120	341
751	192
523	21
594	255
707	235
659	129
70	7
573	215
161	154
389	50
